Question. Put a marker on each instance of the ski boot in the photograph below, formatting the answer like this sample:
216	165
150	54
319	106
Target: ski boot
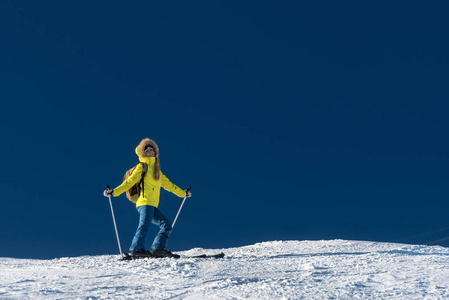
140	254
163	253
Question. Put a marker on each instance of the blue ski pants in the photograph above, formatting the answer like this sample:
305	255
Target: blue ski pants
150	214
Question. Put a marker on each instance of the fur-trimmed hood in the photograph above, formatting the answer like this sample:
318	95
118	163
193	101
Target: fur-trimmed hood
151	161
141	147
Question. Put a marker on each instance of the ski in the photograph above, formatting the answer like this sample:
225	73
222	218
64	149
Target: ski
126	256
219	255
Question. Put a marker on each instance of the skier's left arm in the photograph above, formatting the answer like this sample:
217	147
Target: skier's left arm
167	185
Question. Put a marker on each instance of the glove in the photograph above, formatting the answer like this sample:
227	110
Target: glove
188	194
108	193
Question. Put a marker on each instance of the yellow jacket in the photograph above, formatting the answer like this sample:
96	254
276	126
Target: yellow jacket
152	188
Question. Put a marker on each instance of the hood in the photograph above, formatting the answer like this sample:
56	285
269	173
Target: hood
140	150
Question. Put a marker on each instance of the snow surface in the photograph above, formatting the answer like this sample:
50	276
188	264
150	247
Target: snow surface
336	269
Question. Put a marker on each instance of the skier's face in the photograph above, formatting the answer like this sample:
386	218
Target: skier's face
149	152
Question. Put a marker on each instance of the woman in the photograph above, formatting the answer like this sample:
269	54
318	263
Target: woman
148	201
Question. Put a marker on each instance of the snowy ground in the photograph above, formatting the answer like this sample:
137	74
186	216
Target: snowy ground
334	269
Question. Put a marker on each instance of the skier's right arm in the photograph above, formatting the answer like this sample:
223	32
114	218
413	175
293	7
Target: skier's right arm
128	183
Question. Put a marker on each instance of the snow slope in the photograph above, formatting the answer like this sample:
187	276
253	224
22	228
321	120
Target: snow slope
335	269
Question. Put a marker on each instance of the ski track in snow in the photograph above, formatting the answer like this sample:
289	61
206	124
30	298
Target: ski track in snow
336	269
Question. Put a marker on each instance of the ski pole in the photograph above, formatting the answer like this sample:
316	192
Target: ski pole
113	219
187	191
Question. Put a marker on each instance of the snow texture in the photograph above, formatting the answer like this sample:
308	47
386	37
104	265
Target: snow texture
336	269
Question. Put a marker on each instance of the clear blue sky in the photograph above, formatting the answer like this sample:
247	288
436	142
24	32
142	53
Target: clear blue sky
289	120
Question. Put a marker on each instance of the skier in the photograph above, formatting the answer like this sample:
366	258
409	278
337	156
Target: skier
148	201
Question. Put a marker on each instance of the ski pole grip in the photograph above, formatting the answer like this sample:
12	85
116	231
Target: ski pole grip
188	189
107	186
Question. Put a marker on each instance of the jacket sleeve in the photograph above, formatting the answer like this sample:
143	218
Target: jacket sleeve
167	185
128	183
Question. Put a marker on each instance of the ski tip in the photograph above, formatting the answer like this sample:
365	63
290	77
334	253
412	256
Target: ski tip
219	255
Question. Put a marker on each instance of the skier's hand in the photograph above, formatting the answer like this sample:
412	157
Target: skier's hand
108	193
188	194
